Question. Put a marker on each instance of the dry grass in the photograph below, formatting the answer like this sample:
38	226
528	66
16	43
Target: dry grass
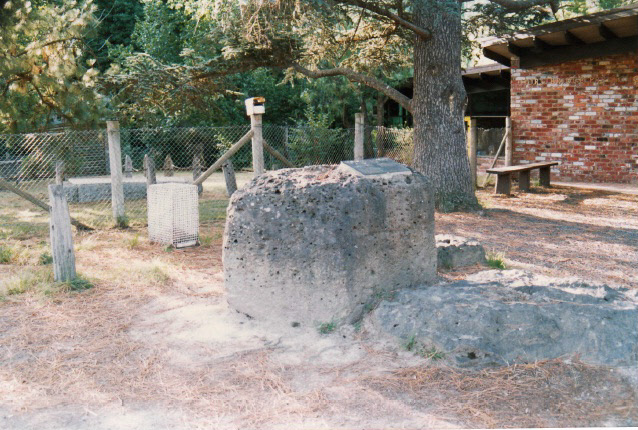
66	347
544	394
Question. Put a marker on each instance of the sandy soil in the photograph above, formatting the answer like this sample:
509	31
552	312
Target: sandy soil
154	345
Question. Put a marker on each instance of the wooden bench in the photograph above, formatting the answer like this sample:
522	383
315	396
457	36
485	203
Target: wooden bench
504	180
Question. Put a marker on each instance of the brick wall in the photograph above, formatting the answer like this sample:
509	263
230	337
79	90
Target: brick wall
582	113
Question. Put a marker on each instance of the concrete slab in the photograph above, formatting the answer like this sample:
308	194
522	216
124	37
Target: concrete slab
614	188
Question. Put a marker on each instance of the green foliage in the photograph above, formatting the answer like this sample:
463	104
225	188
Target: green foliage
6	254
134	242
415	346
43	67
45	258
496	260
327	327
122	221
79	283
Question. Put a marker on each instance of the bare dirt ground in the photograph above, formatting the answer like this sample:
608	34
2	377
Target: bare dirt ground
153	344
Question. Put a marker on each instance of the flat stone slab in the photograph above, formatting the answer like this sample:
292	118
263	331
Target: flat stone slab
318	244
505	317
376	166
456	251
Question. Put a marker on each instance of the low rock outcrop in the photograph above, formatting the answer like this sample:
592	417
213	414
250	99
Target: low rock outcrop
507	317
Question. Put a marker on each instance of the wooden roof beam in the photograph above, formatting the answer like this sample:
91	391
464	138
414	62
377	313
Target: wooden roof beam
540	45
497	57
606	32
572	39
515	49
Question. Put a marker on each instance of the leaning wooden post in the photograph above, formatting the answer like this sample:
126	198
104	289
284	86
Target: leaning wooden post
128	167
61	235
255	109
115	157
509	155
473	140
59	172
149	170
359	126
229	176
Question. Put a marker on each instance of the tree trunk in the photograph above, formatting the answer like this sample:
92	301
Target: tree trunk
439	104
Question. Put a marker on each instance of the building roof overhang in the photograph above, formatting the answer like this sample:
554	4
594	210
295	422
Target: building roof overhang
491	77
589	36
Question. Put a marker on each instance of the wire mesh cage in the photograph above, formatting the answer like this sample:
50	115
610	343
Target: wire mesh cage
173	214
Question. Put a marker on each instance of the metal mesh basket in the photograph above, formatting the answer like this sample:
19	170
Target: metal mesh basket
173	214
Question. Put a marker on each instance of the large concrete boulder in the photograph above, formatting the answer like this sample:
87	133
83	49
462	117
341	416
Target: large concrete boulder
514	317
319	244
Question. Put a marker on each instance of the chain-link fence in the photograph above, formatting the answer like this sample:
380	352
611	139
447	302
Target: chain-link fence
28	161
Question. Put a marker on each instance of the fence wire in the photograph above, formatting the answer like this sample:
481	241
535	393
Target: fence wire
28	161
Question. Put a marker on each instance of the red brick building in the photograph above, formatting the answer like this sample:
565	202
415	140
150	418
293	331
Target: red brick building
574	95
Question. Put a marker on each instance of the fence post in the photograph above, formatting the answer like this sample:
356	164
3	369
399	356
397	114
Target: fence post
197	171
509	156
59	172
286	142
128	167
229	176
258	146
149	170
115	156
168	166
359	124
473	140
61	235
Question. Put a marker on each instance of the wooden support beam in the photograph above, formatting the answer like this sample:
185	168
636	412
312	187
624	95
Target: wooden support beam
497	57
572	39
606	32
39	203
540	45
220	162
562	54
277	155
515	49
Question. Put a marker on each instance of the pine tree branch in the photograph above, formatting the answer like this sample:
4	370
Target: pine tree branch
353	76
423	33
517	5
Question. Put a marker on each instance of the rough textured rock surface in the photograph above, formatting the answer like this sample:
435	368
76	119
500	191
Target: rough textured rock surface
318	244
514	317
456	251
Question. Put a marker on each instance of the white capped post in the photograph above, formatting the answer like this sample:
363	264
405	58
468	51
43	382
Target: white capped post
255	108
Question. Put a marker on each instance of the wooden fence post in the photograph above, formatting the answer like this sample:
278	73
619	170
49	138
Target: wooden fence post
149	170
509	156
128	167
229	176
258	146
473	141
61	235
59	172
359	124
169	167
115	156
197	170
